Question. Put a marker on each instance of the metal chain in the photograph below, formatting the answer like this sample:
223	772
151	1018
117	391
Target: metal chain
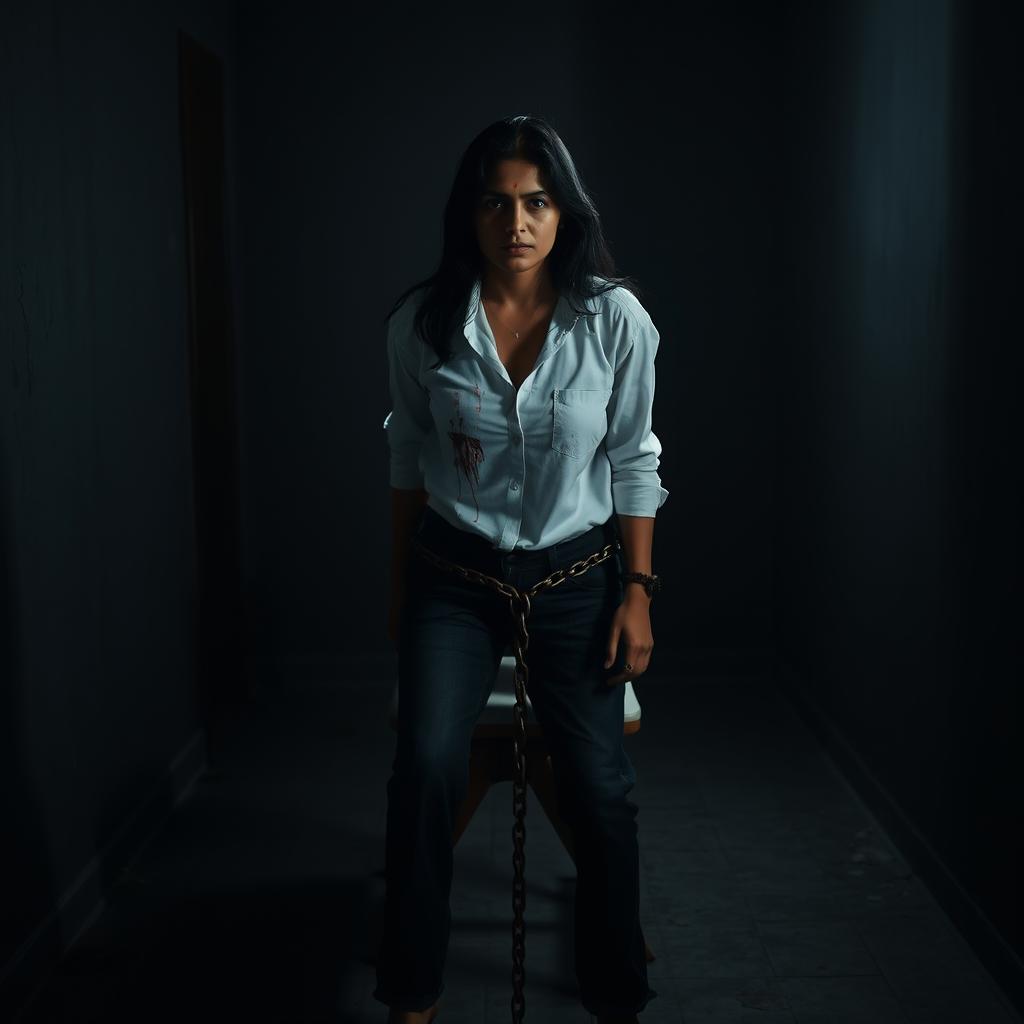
519	607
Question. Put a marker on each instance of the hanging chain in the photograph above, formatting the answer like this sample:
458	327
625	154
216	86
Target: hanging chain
519	607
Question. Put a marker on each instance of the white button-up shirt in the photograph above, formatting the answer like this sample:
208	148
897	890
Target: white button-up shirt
529	468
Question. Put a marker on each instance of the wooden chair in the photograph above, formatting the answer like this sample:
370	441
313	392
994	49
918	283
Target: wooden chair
491	753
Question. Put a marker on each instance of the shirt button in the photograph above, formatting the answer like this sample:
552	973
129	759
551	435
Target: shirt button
515	485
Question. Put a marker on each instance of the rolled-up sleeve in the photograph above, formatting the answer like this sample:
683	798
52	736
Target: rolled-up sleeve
632	446
409	420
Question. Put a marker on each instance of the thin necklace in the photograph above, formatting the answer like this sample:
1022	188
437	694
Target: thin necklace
516	333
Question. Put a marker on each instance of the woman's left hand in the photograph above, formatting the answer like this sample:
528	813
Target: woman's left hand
632	626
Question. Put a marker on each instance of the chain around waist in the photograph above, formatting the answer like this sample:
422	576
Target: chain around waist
470	551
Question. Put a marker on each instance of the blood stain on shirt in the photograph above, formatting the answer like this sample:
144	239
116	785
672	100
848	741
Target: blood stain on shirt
469	452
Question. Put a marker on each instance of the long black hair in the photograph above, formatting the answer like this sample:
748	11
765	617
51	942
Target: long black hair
580	264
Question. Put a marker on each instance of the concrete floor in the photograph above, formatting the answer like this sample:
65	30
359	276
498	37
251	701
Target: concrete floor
769	894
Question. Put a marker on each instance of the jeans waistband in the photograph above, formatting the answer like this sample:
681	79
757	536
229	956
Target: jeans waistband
476	552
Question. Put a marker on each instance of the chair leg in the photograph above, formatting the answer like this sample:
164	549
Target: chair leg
541	777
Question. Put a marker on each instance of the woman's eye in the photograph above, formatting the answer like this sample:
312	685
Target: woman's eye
493	203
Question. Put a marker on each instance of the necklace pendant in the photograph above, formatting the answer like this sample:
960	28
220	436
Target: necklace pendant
516	333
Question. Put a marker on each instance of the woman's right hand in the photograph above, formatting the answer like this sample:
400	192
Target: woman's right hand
407	508
395	612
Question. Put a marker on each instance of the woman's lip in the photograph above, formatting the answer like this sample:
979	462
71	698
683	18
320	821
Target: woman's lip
516	248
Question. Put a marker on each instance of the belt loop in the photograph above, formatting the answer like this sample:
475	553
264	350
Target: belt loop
611	532
551	557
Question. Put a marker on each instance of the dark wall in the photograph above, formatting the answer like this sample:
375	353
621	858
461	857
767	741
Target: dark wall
351	126
898	594
97	690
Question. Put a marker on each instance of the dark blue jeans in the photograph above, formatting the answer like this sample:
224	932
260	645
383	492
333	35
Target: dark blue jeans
452	636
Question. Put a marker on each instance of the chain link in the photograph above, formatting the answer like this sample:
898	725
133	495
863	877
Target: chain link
519	602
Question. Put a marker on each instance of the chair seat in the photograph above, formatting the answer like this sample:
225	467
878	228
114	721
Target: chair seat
496	718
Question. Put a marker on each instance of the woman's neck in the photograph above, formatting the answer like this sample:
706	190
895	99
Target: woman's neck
518	291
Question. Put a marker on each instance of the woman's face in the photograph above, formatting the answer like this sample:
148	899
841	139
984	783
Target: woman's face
515	207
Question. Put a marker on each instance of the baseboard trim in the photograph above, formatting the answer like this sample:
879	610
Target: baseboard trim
82	903
995	954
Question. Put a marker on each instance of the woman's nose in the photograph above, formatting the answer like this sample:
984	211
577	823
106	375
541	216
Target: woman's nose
516	219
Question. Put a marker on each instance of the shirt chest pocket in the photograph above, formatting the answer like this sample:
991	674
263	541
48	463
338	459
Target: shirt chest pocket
579	420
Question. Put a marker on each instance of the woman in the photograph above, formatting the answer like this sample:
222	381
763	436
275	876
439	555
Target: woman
522	382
